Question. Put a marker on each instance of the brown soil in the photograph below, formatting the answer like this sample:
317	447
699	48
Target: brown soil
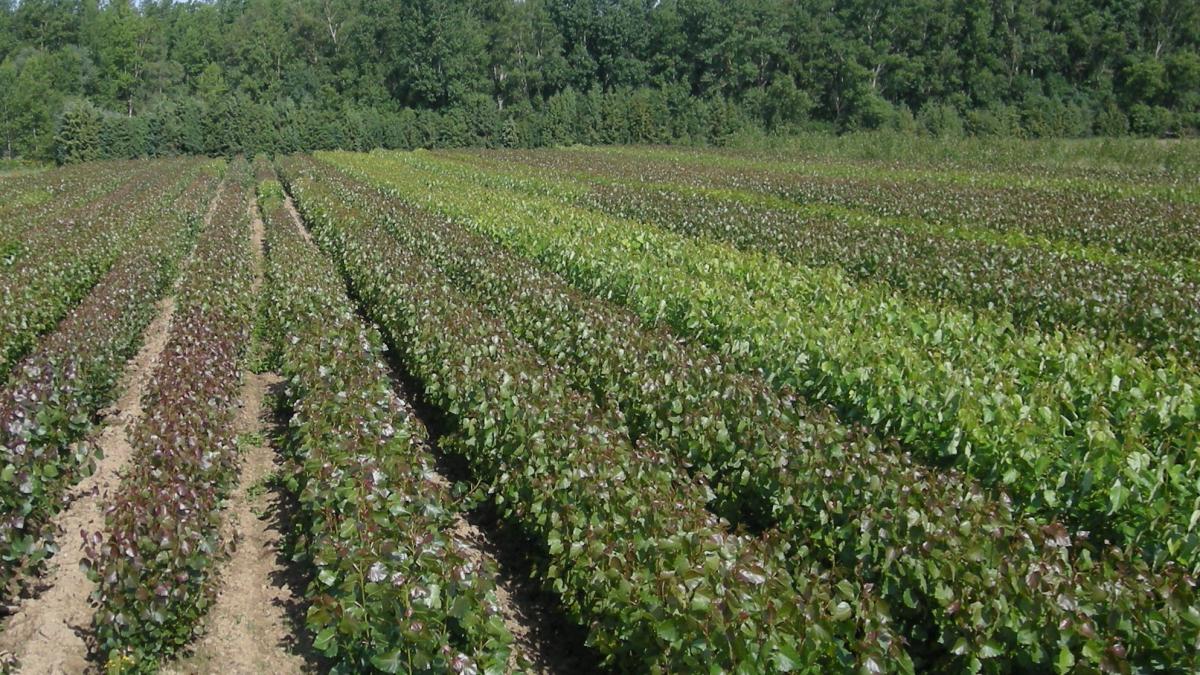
249	628
252	626
48	634
543	642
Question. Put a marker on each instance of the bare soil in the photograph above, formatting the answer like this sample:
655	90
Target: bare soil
544	641
291	209
251	627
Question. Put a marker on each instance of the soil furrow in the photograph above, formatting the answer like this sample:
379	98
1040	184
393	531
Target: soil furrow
545	641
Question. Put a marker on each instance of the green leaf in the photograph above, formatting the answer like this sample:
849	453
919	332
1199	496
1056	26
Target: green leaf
1116	497
388	663
1065	661
667	631
841	611
325	639
787	659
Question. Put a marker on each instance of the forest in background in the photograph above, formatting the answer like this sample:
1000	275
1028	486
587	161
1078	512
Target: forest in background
84	79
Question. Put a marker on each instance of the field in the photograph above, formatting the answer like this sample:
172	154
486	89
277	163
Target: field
635	409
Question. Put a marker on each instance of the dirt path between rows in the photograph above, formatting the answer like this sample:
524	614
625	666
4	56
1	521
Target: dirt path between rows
252	626
542	643
291	209
48	634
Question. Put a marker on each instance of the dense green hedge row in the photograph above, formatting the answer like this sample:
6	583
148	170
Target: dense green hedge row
1087	430
394	588
48	404
966	598
1127	299
659	582
234	123
154	564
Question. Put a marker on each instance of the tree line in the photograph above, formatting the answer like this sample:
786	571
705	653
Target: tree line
84	79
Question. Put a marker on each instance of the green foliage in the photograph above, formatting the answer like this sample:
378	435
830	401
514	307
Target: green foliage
48	403
79	133
958	387
1151	120
753	310
940	119
606	72
776	463
57	269
153	564
617	536
396	592
862	224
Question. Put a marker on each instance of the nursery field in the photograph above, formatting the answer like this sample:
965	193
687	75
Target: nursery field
633	409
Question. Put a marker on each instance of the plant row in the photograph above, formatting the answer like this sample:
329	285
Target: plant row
1105	180
840	499
37	218
531	170
1074	428
38	290
659	581
395	587
1143	225
62	217
154	564
54	196
47	406
1123	298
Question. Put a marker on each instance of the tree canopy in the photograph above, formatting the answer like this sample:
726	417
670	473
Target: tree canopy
162	76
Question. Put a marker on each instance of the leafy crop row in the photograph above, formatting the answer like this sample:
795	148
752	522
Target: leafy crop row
36	219
47	405
1073	427
658	581
58	196
1144	225
395	588
984	576
74	208
1036	286
37	290
989	168
1111	296
154	565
